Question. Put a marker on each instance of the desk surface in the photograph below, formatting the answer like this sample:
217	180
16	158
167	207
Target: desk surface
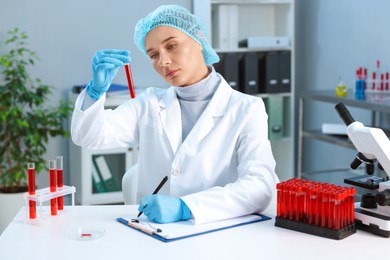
50	240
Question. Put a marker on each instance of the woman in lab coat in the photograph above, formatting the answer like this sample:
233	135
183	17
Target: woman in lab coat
211	140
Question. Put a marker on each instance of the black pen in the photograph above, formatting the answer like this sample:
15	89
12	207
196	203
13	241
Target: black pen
157	189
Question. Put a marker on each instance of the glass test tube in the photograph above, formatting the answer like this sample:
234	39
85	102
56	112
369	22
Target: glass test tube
31	189
53	185
130	80
60	182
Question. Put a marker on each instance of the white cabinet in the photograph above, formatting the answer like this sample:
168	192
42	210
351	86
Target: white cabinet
266	30
97	174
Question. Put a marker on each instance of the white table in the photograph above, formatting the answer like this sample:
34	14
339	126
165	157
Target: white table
263	240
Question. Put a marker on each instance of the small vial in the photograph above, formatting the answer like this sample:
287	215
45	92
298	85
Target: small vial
53	185
31	189
60	182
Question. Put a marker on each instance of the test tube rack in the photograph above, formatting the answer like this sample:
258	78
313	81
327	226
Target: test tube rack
316	208
42	195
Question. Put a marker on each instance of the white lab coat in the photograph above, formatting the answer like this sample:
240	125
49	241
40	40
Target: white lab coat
223	169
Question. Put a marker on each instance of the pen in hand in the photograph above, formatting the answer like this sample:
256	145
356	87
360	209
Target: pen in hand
156	190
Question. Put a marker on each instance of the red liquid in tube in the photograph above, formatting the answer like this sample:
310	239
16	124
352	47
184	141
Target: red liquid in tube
60	182
31	189
53	186
129	80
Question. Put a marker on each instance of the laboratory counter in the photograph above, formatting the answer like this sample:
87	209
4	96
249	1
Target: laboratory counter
52	239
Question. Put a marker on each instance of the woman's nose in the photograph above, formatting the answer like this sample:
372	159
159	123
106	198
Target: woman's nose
165	59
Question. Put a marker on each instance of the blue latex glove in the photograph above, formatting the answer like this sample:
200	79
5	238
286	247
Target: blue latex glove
164	209
105	65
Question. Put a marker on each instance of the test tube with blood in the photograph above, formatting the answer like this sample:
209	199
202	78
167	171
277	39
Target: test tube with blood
60	182
351	205
319	206
295	201
279	199
313	203
329	206
341	209
344	209
324	209
299	196
31	189
382	82
348	205
129	80
337	205
291	201
53	185
286	197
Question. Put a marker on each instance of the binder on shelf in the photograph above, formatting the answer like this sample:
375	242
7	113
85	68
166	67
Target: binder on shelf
97	182
225	26
105	174
249	73
233	26
285	71
185	229
275	72
270	73
228	68
220	20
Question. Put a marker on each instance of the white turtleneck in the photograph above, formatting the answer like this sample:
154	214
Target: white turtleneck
194	99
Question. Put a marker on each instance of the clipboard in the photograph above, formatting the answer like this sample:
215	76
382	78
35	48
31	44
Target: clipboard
185	229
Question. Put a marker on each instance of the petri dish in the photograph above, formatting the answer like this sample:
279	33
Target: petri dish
87	233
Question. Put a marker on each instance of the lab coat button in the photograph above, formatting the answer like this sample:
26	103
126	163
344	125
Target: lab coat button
175	172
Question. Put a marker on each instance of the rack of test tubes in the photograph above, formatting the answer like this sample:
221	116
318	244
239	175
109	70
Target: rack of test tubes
55	193
316	208
374	83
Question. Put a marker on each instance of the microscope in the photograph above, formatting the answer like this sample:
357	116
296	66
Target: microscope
372	214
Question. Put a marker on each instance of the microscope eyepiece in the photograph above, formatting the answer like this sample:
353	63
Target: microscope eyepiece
344	114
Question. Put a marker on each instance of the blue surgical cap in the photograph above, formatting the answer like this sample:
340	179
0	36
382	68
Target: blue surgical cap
180	18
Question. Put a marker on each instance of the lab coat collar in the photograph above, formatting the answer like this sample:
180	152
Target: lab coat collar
171	118
220	101
214	111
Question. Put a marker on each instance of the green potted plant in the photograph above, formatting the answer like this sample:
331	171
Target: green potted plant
26	121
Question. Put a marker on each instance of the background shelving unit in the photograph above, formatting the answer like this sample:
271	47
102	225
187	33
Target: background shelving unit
232	21
82	167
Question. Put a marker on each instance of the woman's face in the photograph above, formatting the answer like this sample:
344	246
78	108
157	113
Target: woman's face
175	56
